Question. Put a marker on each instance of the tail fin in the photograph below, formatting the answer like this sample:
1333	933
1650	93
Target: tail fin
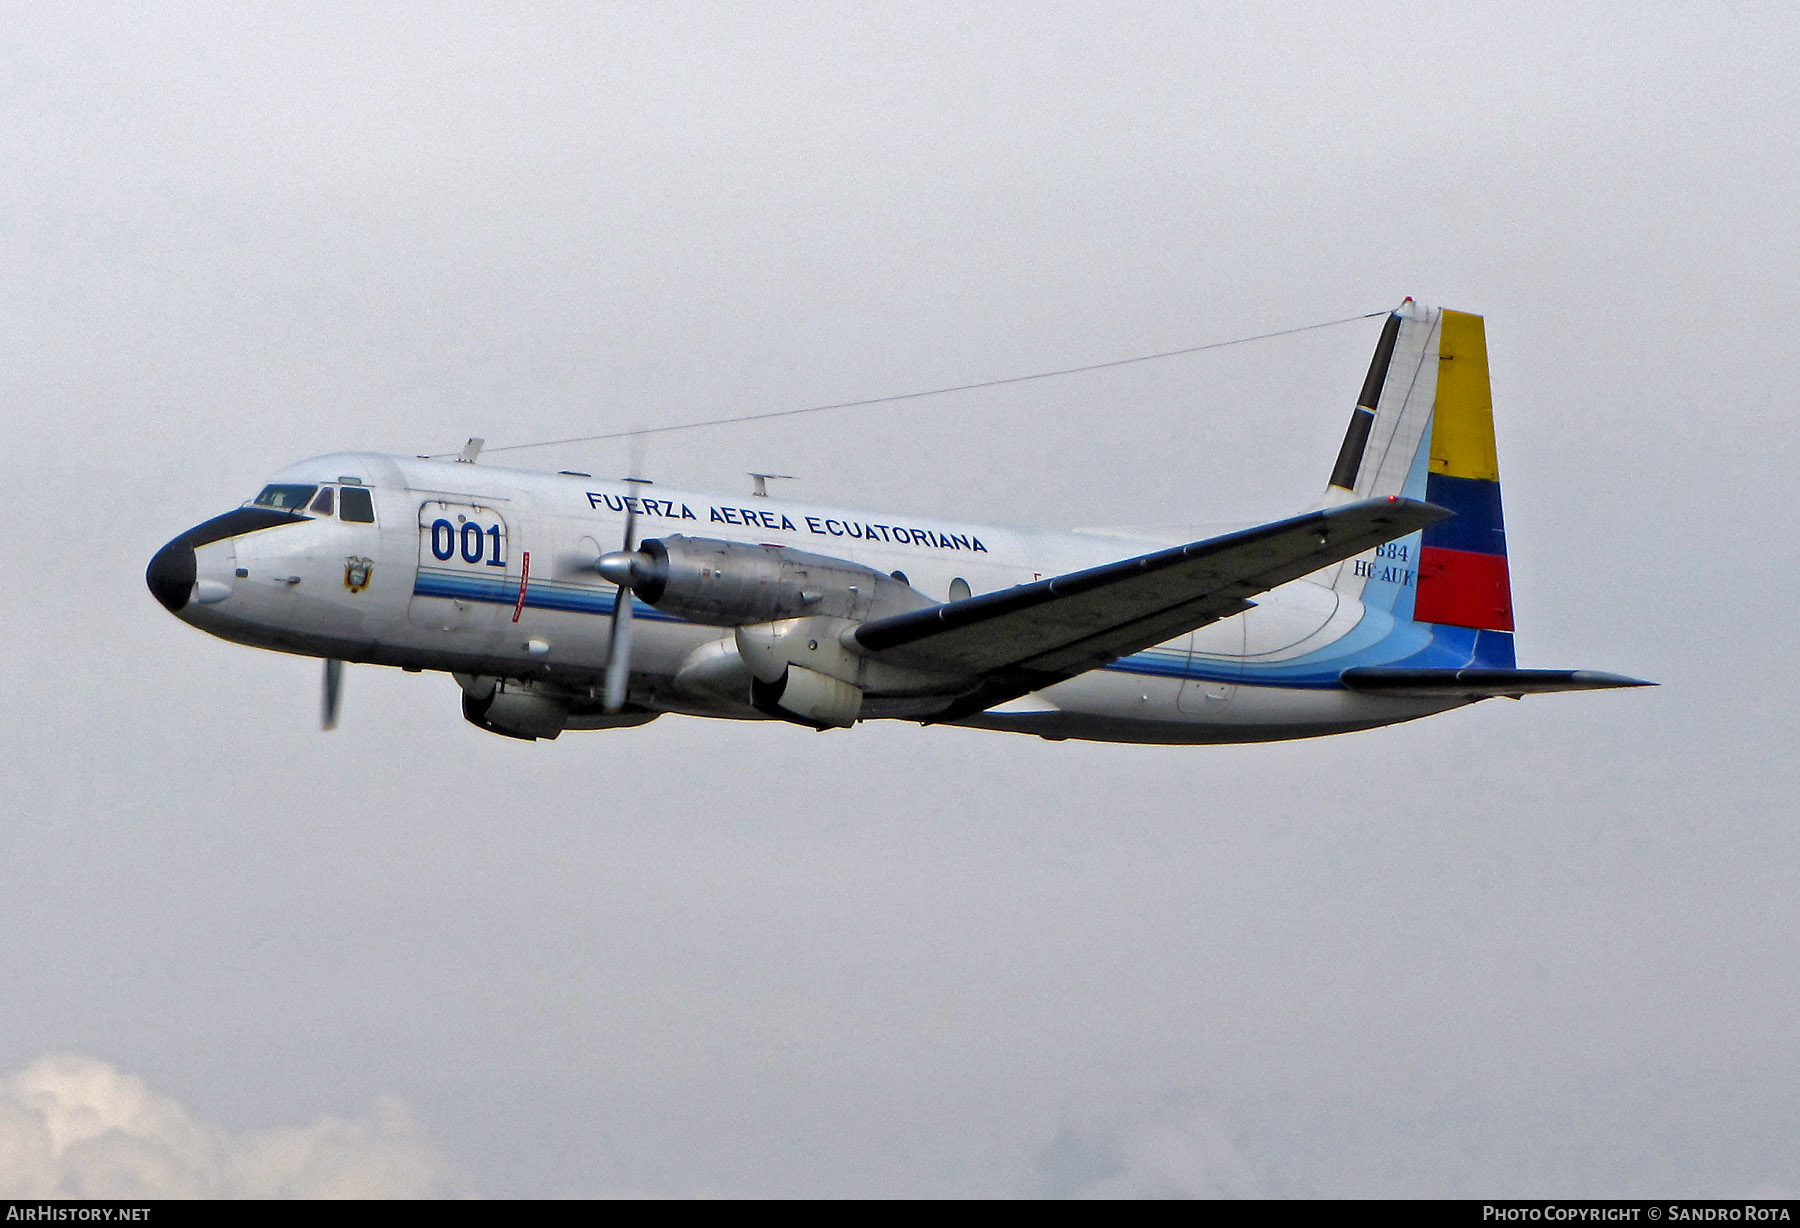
1423	429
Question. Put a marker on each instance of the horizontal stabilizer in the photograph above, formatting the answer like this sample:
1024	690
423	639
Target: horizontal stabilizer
1480	683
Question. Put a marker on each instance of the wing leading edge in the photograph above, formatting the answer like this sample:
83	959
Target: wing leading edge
1022	638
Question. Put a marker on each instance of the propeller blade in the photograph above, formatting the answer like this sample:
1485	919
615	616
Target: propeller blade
333	690
618	650
618	653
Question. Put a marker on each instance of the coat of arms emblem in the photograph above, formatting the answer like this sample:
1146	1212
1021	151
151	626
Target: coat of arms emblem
356	573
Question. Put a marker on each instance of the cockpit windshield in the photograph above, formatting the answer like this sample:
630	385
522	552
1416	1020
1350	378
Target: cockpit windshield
357	505
285	498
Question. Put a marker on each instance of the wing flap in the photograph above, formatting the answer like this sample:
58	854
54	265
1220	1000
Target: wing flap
1068	624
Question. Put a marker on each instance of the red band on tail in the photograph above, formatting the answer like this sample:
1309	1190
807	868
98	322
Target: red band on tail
1461	589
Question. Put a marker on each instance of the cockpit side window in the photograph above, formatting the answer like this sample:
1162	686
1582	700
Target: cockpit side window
322	504
285	498
356	505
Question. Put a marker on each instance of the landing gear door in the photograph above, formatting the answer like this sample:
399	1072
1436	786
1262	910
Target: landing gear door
467	572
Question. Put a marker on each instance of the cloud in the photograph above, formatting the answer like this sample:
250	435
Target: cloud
75	1127
1185	1150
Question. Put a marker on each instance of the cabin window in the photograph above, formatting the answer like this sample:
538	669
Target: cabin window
356	505
322	504
959	589
285	498
901	576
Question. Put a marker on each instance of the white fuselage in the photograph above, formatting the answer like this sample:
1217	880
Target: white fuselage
490	572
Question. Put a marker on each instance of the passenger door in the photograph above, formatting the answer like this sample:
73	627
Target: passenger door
468	578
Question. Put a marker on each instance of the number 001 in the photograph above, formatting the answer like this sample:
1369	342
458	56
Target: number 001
444	542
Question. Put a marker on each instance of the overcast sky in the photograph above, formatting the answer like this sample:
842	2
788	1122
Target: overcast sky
1539	948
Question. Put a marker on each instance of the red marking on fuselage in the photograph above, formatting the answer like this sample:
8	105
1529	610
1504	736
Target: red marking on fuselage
524	579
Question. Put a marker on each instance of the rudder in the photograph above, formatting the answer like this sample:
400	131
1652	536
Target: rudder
1463	577
1424	429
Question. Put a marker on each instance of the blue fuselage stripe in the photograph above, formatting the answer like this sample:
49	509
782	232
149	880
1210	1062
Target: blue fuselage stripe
1369	643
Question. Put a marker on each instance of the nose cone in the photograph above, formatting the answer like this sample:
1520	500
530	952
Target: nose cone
171	574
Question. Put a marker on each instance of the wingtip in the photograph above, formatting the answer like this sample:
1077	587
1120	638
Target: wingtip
1415	511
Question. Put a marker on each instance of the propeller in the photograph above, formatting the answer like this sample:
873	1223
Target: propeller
619	568
623	567
332	692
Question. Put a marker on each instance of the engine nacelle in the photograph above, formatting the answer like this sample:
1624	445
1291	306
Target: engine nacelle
808	698
733	584
801	671
530	710
516	713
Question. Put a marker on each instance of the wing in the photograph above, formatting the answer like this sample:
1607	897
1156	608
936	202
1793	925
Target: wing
1023	638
